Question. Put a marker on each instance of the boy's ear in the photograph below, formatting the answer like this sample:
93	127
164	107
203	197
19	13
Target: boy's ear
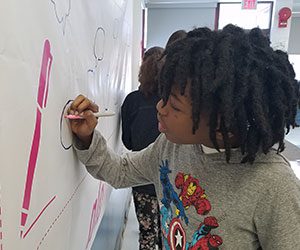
219	135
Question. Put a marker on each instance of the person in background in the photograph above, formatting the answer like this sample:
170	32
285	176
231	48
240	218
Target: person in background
298	110
139	129
228	100
175	36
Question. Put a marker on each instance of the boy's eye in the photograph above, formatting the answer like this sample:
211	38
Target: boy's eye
174	107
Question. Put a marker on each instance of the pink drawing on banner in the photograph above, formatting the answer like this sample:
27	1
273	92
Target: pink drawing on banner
42	102
39	215
96	211
1	233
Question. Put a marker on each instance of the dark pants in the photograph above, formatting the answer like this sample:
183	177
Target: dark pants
147	213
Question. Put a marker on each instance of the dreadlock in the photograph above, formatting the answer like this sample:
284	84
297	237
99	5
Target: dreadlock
245	86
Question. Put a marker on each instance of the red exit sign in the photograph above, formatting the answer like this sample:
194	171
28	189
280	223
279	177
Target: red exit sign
249	4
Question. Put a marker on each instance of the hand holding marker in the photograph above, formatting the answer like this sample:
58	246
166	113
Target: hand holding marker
98	114
82	103
82	115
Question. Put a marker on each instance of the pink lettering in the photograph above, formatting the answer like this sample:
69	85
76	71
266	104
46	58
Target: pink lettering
96	211
42	101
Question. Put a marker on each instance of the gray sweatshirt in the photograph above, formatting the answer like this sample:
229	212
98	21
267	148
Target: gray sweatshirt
206	203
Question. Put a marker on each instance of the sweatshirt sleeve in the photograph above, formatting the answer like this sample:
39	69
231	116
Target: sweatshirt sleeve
131	169
277	216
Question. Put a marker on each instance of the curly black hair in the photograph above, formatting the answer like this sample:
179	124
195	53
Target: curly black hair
245	86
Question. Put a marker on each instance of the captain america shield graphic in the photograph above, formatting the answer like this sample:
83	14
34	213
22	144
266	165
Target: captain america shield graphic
176	236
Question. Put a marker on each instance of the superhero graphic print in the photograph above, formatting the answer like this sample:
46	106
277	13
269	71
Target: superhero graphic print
188	195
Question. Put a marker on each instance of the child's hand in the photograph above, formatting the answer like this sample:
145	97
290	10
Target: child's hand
83	128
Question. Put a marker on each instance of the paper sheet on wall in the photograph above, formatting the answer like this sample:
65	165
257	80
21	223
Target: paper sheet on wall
51	51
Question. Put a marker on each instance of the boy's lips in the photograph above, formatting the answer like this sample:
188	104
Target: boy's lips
161	126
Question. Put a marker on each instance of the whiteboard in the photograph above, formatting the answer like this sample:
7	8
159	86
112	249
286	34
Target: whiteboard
51	51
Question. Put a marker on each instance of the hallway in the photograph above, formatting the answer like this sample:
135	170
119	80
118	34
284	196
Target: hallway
131	233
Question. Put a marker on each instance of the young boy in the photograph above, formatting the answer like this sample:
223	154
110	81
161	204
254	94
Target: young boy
226	90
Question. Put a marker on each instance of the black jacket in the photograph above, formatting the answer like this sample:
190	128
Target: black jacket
139	125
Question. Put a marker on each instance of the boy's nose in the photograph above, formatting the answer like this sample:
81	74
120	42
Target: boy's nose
162	110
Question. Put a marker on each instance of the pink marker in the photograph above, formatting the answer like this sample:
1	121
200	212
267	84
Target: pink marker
99	114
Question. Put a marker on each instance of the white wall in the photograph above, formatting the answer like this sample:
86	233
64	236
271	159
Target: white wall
280	36
162	22
51	51
164	17
136	44
294	45
294	41
295	60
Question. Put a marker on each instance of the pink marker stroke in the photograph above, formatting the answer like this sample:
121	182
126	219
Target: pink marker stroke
42	101
96	211
44	76
40	214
